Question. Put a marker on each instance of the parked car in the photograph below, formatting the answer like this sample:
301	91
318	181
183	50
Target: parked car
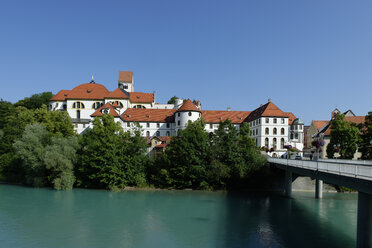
298	157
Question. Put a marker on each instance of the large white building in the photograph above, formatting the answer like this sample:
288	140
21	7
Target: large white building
271	127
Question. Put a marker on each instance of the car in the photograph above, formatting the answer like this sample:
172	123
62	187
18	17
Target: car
298	157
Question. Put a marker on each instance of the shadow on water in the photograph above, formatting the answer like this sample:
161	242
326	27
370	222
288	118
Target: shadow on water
271	220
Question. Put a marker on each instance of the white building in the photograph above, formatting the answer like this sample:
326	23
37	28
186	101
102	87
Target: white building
271	127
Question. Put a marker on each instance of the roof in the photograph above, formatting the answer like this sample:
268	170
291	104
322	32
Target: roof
319	124
291	117
148	115
117	94
161	145
60	96
140	97
112	111
165	139
88	91
125	76
215	116
297	121
354	119
188	106
267	110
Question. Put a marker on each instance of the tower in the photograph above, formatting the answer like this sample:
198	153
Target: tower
187	112
125	81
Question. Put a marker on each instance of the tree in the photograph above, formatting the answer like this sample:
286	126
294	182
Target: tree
109	157
35	101
346	134
366	138
6	109
172	100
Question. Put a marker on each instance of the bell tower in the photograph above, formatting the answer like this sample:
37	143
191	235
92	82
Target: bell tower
125	81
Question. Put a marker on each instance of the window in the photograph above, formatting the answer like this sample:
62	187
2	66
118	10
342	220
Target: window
157	124
291	135
259	121
128	124
190	113
274	143
300	127
147	134
50	106
64	106
96	105
78	105
178	123
147	124
267	130
274	131
157	133
282	143
78	114
125	86
267	120
282	131
283	121
139	107
168	126
168	133
210	125
296	127
119	103
275	120
178	114
267	142
296	135
83	125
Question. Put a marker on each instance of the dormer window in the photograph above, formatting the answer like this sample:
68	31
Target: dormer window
119	103
190	113
125	86
105	111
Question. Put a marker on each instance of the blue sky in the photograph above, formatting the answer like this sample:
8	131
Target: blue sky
307	56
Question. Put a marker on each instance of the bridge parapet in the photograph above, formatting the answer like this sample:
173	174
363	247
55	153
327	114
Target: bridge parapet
344	168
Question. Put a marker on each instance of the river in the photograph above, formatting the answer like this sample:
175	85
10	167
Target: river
33	217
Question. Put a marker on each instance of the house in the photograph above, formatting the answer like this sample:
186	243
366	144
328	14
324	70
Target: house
271	127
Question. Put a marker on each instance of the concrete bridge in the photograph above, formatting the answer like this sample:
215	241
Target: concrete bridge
353	174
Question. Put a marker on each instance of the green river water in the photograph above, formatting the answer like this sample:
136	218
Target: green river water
31	217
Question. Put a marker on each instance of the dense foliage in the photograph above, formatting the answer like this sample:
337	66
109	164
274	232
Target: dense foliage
35	101
345	134
366	138
198	160
172	100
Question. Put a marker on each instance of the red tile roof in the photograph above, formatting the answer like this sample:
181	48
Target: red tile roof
112	111
354	119
267	110
291	117
319	124
60	96
125	76
188	106
148	115
161	145
215	116
139	97
88	91
165	139
117	94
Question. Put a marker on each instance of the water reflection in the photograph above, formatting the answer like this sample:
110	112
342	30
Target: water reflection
93	218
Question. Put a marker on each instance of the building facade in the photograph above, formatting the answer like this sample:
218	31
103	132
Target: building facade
271	127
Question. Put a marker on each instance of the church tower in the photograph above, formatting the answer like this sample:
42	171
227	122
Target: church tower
125	81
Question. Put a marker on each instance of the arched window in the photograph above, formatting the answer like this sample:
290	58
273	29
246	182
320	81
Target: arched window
147	134
139	107
157	133
78	105
267	130
291	135
168	133
275	120
267	142
282	143
282	131
274	131
296	135
190	113
119	103
274	143
96	105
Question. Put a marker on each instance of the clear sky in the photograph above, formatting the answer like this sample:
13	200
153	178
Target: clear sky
307	56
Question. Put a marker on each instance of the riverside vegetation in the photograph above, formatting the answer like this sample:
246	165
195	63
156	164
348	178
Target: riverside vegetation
40	148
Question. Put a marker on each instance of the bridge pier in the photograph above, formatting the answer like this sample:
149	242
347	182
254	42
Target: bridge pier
364	224
288	184
318	189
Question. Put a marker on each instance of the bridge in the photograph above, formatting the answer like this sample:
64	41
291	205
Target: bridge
353	174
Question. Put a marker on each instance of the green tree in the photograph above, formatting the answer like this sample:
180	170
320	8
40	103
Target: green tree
110	158
6	109
172	100
35	101
346	134
366	138
59	159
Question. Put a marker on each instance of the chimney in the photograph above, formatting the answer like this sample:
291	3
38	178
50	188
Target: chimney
228	109
269	100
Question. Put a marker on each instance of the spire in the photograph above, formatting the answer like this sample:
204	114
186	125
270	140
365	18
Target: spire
92	81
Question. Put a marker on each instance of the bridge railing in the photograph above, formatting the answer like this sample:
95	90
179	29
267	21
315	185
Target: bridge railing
358	170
